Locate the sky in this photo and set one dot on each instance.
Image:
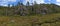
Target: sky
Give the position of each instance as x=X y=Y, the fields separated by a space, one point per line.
x=6 y=2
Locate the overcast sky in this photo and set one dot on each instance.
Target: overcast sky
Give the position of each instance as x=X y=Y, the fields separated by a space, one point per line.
x=6 y=2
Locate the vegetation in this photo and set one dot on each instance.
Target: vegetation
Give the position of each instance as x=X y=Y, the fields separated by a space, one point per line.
x=21 y=9
x=45 y=20
x=30 y=15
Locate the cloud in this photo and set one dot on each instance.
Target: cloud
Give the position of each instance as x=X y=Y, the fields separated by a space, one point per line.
x=39 y=1
x=3 y=1
x=3 y=4
x=27 y=0
x=57 y=0
x=6 y=2
x=11 y=0
x=57 y=4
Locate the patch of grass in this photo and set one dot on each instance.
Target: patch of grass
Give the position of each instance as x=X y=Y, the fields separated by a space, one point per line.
x=28 y=20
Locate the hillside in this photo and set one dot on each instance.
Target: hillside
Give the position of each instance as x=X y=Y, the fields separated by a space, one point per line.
x=27 y=10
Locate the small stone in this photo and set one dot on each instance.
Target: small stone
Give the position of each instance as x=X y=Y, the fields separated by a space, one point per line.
x=43 y=13
x=13 y=21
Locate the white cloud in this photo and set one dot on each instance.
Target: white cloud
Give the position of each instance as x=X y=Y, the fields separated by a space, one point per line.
x=57 y=0
x=27 y=0
x=8 y=1
x=11 y=0
x=58 y=4
x=3 y=4
x=39 y=1
x=3 y=1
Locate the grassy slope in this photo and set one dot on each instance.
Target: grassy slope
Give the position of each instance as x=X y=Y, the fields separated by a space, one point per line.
x=28 y=20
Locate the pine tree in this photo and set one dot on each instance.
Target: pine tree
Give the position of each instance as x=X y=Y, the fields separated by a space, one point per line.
x=28 y=3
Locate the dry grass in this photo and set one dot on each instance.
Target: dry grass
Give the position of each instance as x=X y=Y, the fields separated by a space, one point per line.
x=28 y=20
